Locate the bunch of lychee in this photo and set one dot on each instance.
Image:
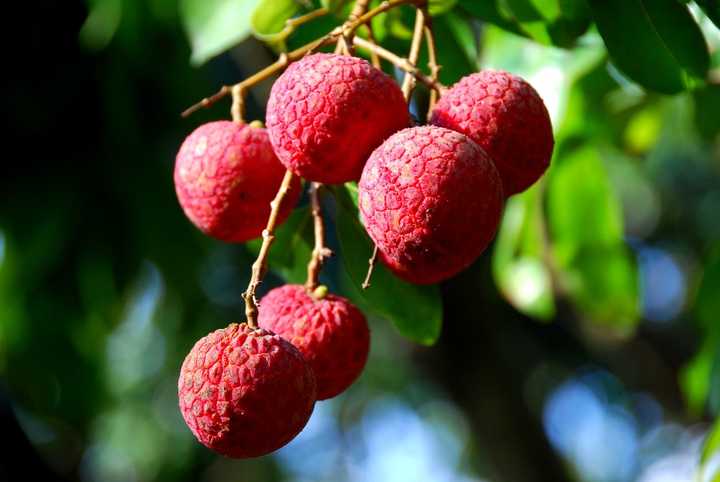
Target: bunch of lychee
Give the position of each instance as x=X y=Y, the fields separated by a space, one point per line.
x=430 y=198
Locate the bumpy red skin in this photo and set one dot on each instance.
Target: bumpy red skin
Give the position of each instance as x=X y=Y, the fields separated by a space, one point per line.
x=327 y=112
x=331 y=333
x=244 y=392
x=430 y=199
x=507 y=117
x=226 y=174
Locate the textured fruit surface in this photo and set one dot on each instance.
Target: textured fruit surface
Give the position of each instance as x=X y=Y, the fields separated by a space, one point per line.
x=245 y=392
x=326 y=113
x=431 y=199
x=331 y=333
x=226 y=174
x=507 y=117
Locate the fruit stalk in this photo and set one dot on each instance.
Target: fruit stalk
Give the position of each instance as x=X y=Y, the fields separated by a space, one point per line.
x=347 y=30
x=409 y=80
x=259 y=267
x=401 y=63
x=320 y=251
x=432 y=63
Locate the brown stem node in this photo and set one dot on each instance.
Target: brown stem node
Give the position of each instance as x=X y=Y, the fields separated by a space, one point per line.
x=371 y=267
x=320 y=251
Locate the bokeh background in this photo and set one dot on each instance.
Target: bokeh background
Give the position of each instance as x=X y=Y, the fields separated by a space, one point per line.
x=583 y=346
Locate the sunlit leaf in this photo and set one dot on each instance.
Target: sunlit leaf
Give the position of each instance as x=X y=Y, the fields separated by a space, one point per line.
x=333 y=5
x=101 y=23
x=215 y=26
x=711 y=9
x=269 y=20
x=438 y=7
x=597 y=270
x=558 y=22
x=654 y=42
x=518 y=267
x=583 y=209
x=711 y=447
x=416 y=311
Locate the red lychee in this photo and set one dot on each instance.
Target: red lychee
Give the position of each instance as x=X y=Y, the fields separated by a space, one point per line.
x=327 y=112
x=330 y=332
x=507 y=117
x=226 y=174
x=430 y=199
x=245 y=392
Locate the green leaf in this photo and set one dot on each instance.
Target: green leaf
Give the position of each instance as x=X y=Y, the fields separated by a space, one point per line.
x=292 y=247
x=520 y=10
x=700 y=379
x=654 y=42
x=415 y=311
x=438 y=7
x=269 y=20
x=707 y=111
x=597 y=270
x=711 y=446
x=333 y=5
x=603 y=284
x=557 y=22
x=711 y=9
x=215 y=26
x=517 y=264
x=582 y=207
x=489 y=12
x=696 y=376
x=707 y=303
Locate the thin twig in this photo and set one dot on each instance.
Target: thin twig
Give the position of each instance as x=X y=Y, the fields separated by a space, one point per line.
x=432 y=63
x=348 y=30
x=399 y=62
x=409 y=80
x=259 y=267
x=320 y=251
x=293 y=23
x=374 y=58
x=342 y=46
x=238 y=103
x=371 y=267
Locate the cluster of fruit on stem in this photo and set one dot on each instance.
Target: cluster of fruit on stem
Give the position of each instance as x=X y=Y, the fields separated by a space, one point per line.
x=430 y=198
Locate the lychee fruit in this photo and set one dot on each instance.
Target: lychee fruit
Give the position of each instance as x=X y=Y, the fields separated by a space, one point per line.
x=507 y=117
x=430 y=198
x=330 y=332
x=326 y=113
x=226 y=174
x=245 y=392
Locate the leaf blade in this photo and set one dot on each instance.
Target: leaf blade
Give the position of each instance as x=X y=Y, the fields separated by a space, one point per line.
x=655 y=42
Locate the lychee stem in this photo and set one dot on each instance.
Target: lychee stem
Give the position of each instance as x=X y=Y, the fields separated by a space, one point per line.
x=371 y=267
x=409 y=80
x=400 y=63
x=259 y=267
x=347 y=30
x=320 y=251
x=374 y=58
x=432 y=64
